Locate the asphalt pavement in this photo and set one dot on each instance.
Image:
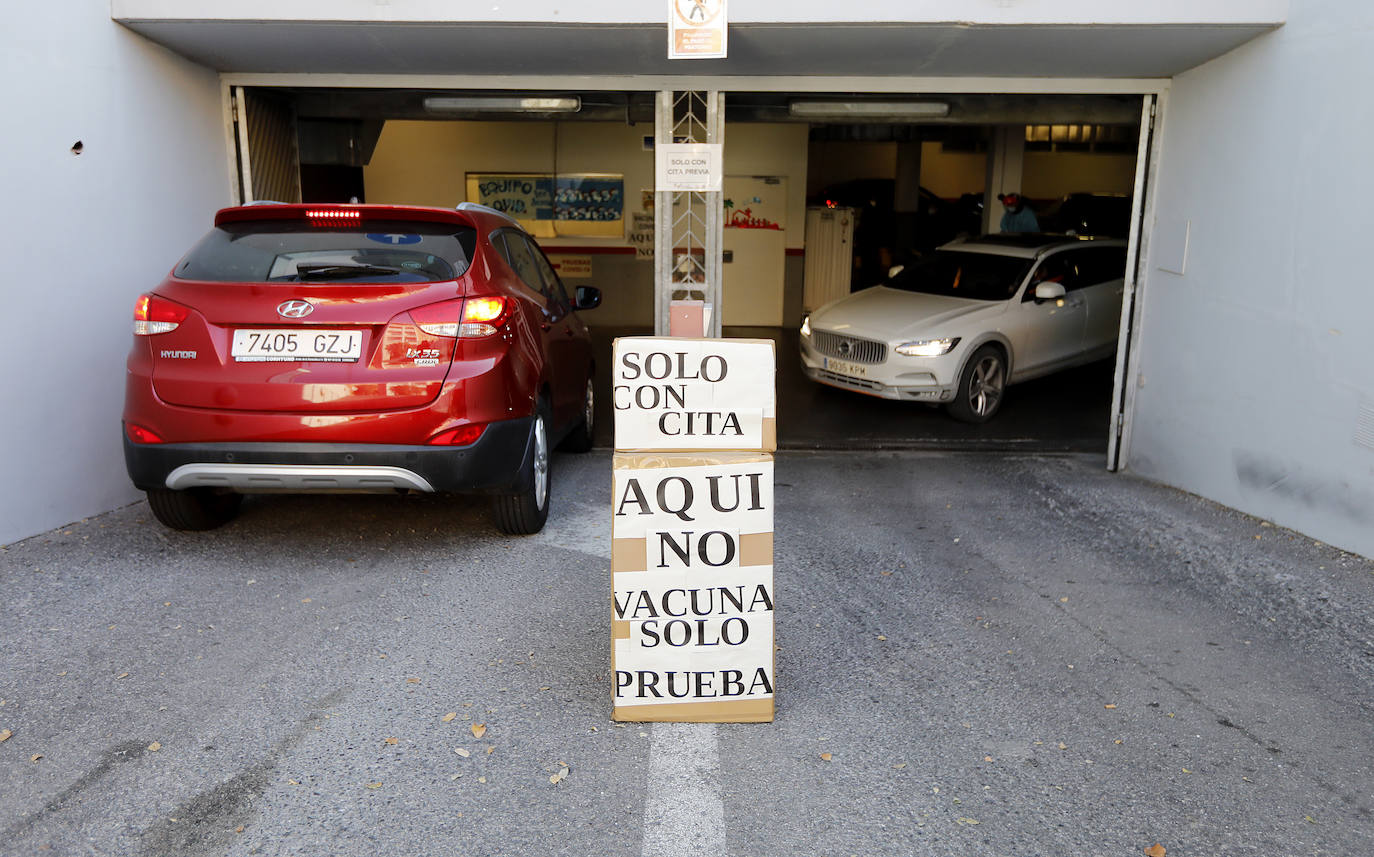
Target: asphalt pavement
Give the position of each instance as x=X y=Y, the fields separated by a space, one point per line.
x=1005 y=654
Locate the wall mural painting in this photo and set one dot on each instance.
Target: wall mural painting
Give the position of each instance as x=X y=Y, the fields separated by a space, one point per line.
x=549 y=205
x=755 y=202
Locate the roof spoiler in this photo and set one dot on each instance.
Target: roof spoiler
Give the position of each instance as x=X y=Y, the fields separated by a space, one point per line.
x=488 y=210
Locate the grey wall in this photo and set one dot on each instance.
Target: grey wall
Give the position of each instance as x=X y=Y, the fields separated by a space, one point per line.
x=1255 y=383
x=85 y=235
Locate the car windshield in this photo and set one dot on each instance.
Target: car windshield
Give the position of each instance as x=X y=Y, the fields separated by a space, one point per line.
x=977 y=276
x=289 y=251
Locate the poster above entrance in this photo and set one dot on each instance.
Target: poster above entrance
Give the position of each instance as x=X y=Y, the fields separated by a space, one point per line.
x=696 y=29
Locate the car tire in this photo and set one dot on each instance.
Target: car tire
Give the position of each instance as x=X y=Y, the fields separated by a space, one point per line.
x=982 y=385
x=524 y=513
x=580 y=438
x=194 y=508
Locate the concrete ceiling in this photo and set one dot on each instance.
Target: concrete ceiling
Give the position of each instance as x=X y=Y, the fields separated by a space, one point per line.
x=816 y=50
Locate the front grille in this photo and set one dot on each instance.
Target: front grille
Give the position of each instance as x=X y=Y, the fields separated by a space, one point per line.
x=848 y=347
x=847 y=381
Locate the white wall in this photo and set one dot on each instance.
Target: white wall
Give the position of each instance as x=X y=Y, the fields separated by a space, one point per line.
x=1255 y=384
x=85 y=234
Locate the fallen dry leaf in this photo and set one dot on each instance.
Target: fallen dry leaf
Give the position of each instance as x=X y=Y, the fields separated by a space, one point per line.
x=238 y=829
x=481 y=779
x=491 y=750
x=1155 y=850
x=967 y=821
x=1064 y=600
x=826 y=757
x=155 y=746
x=1110 y=705
x=462 y=752
x=292 y=783
x=448 y=718
x=1063 y=746
x=899 y=765
x=412 y=681
x=122 y=675
x=987 y=758
x=35 y=757
x=5 y=735
x=372 y=785
x=479 y=729
x=558 y=777
x=305 y=600
x=392 y=741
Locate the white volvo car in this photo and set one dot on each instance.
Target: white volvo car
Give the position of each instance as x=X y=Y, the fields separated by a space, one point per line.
x=958 y=326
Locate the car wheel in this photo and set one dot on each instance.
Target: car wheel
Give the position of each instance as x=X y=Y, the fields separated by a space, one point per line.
x=193 y=508
x=981 y=386
x=524 y=513
x=580 y=439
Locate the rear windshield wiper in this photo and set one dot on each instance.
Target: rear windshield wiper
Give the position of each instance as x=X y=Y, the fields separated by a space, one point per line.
x=323 y=272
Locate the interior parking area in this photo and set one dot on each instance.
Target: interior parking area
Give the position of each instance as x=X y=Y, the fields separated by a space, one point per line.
x=825 y=195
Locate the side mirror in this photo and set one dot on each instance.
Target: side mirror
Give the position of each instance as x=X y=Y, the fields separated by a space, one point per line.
x=1048 y=292
x=587 y=297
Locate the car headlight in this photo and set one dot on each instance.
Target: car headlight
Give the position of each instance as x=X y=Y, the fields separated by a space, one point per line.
x=927 y=347
x=806 y=325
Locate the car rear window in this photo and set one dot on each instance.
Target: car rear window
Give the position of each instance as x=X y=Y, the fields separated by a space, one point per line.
x=289 y=251
x=979 y=276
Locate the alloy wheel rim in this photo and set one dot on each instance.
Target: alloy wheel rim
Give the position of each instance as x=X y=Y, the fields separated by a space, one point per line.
x=541 y=464
x=985 y=387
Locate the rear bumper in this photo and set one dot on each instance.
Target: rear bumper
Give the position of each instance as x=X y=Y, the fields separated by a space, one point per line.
x=491 y=465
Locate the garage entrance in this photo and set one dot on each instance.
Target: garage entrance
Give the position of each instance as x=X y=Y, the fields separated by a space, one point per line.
x=909 y=181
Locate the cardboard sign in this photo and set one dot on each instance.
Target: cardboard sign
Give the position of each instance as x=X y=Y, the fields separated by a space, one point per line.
x=692 y=578
x=694 y=394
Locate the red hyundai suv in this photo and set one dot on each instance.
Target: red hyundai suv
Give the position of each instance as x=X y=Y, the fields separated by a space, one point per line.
x=356 y=348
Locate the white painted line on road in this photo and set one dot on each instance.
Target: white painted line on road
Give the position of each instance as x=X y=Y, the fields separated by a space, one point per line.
x=684 y=813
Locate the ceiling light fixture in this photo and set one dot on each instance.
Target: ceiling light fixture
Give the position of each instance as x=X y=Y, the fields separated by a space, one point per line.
x=882 y=110
x=502 y=104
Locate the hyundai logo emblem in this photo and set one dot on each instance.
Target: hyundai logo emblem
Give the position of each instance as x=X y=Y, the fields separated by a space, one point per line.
x=295 y=309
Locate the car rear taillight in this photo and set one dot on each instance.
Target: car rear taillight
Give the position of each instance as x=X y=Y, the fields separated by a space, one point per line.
x=482 y=316
x=153 y=314
x=461 y=436
x=139 y=434
x=441 y=319
x=465 y=317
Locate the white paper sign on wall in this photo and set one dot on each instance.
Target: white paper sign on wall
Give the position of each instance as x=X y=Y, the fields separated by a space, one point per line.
x=688 y=166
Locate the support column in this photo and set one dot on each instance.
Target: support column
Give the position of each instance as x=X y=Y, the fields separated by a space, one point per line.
x=688 y=225
x=906 y=202
x=1006 y=155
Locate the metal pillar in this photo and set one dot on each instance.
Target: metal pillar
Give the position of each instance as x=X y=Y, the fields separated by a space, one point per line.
x=688 y=224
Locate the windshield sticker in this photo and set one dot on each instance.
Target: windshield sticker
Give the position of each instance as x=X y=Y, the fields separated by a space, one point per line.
x=393 y=238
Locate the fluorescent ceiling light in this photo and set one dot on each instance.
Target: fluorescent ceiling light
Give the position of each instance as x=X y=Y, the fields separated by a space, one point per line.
x=869 y=109
x=502 y=104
